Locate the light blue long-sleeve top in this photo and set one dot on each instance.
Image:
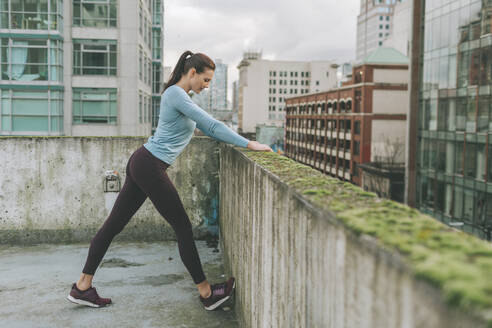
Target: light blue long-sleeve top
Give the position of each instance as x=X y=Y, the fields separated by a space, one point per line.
x=178 y=117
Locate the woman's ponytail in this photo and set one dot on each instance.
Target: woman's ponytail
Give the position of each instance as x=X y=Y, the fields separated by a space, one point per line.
x=187 y=61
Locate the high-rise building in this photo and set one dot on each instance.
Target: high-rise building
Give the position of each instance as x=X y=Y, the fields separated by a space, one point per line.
x=218 y=87
x=449 y=167
x=361 y=122
x=264 y=85
x=374 y=25
x=79 y=67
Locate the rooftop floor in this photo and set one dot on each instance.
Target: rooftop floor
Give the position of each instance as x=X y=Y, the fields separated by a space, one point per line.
x=147 y=282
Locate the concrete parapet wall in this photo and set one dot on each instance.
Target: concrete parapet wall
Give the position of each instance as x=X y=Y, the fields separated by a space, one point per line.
x=52 y=188
x=309 y=252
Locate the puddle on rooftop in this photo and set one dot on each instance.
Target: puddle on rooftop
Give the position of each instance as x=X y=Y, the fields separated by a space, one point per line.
x=163 y=279
x=118 y=263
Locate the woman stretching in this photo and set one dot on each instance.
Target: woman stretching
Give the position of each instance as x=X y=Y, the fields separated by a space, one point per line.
x=146 y=177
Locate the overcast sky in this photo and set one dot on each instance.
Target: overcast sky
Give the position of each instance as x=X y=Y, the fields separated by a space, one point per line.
x=282 y=29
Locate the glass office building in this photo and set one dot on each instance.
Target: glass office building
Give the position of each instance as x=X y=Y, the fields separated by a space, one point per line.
x=454 y=160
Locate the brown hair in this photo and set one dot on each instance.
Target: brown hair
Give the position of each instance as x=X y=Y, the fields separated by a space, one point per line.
x=197 y=61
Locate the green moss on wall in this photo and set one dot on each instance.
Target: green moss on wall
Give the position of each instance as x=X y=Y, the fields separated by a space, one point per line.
x=455 y=262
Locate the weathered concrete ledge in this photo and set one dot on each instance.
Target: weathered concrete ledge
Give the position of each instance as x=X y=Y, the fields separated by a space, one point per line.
x=52 y=188
x=311 y=251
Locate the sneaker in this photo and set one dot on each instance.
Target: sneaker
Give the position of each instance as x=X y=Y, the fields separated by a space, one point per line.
x=220 y=293
x=87 y=297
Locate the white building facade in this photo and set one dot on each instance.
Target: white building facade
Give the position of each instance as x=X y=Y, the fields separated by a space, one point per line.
x=399 y=38
x=79 y=67
x=374 y=25
x=264 y=85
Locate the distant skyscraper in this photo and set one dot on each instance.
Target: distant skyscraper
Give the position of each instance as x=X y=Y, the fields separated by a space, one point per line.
x=374 y=25
x=91 y=69
x=218 y=87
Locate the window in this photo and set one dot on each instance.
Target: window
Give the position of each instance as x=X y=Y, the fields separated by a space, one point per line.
x=356 y=148
x=459 y=158
x=156 y=44
x=387 y=18
x=31 y=60
x=31 y=111
x=156 y=103
x=489 y=170
x=140 y=63
x=31 y=15
x=380 y=18
x=157 y=11
x=140 y=107
x=381 y=27
x=357 y=127
x=380 y=35
x=471 y=115
x=92 y=105
x=94 y=57
x=471 y=160
x=89 y=13
x=317 y=82
x=380 y=43
x=387 y=27
x=140 y=19
x=157 y=80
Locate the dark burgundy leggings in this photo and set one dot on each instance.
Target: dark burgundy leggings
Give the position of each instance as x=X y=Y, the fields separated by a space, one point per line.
x=146 y=177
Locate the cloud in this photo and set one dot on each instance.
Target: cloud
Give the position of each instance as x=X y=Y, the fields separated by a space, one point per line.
x=283 y=30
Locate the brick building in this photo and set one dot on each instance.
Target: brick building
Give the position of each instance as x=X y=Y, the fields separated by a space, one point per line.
x=335 y=130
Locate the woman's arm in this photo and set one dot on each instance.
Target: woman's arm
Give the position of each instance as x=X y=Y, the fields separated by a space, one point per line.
x=210 y=126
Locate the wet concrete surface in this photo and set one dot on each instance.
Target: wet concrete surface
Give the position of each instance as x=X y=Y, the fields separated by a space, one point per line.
x=147 y=282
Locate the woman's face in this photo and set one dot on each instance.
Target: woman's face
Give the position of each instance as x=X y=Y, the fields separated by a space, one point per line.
x=201 y=81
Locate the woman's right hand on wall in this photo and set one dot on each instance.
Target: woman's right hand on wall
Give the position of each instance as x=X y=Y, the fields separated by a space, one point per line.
x=255 y=145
